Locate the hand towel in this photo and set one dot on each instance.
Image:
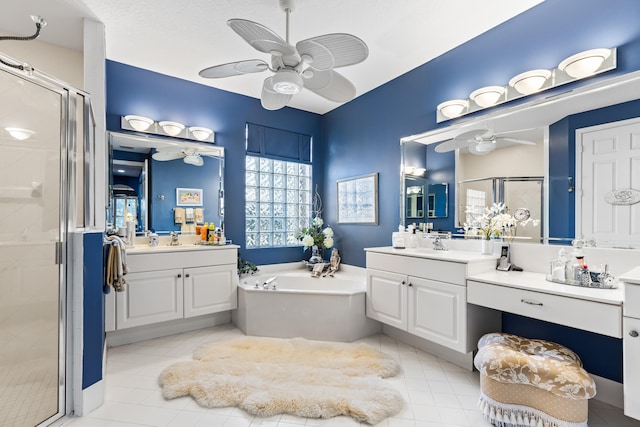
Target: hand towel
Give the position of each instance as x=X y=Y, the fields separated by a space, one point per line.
x=198 y=215
x=188 y=212
x=178 y=215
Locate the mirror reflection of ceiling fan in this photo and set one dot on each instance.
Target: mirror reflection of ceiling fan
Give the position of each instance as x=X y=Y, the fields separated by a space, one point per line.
x=191 y=157
x=309 y=64
x=480 y=141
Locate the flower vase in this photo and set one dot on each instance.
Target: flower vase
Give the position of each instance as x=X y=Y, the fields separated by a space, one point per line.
x=316 y=255
x=486 y=246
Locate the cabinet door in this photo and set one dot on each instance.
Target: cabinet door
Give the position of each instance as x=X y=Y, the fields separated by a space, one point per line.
x=387 y=297
x=631 y=356
x=150 y=297
x=210 y=289
x=437 y=312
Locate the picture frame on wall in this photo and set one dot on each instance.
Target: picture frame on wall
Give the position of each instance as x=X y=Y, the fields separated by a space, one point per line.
x=358 y=200
x=189 y=196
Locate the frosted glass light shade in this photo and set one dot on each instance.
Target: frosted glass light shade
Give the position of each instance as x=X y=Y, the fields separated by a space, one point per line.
x=200 y=133
x=19 y=133
x=487 y=96
x=584 y=64
x=139 y=123
x=287 y=82
x=171 y=128
x=530 y=82
x=453 y=108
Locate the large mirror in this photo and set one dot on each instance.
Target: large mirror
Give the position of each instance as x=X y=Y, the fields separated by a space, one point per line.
x=516 y=172
x=151 y=179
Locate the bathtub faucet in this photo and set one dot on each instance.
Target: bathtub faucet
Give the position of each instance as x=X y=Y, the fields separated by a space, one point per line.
x=267 y=282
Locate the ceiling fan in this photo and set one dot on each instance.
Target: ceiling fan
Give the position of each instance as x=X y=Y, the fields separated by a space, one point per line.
x=309 y=64
x=191 y=157
x=480 y=141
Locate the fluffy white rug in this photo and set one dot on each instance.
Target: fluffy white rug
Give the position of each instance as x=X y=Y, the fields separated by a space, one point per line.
x=268 y=376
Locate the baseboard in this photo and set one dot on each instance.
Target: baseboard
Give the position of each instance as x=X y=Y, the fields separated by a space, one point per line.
x=92 y=398
x=147 y=332
x=609 y=391
x=461 y=359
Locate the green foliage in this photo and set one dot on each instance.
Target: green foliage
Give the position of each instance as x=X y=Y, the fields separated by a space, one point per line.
x=246 y=267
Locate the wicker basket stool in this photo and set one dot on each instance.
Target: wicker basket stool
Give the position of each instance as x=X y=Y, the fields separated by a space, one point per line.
x=531 y=383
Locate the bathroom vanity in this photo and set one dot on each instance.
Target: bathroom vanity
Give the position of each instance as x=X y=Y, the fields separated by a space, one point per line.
x=171 y=288
x=423 y=292
x=631 y=343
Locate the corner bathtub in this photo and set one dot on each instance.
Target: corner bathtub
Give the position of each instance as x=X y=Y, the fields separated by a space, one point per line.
x=325 y=308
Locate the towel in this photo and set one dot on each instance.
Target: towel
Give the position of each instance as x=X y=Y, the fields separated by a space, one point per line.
x=116 y=263
x=198 y=215
x=178 y=215
x=188 y=213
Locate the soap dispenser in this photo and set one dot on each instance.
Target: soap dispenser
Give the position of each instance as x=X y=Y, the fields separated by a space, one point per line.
x=413 y=240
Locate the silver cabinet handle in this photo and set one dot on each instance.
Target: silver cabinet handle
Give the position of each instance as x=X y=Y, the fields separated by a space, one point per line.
x=531 y=302
x=634 y=334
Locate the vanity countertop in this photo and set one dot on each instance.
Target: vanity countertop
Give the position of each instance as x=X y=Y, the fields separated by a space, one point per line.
x=632 y=277
x=536 y=282
x=450 y=255
x=164 y=248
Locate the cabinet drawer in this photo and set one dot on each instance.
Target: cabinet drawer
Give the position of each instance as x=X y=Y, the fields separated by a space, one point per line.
x=180 y=259
x=442 y=271
x=591 y=316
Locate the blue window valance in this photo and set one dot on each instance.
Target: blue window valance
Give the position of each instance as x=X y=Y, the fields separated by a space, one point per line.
x=278 y=144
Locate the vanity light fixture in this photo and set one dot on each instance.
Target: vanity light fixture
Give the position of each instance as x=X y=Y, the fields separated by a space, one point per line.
x=584 y=64
x=167 y=128
x=139 y=123
x=579 y=66
x=414 y=171
x=19 y=133
x=171 y=128
x=453 y=108
x=487 y=96
x=200 y=133
x=530 y=81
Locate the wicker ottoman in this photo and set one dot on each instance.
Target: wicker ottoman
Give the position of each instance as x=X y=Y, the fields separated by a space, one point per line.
x=531 y=383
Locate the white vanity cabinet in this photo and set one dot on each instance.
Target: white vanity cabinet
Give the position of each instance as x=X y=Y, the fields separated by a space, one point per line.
x=426 y=298
x=631 y=343
x=165 y=285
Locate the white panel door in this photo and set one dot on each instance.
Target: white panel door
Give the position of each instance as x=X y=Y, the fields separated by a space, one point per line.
x=387 y=297
x=610 y=162
x=631 y=355
x=437 y=312
x=210 y=289
x=150 y=297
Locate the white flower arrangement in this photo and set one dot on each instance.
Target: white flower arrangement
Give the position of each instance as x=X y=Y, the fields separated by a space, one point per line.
x=316 y=235
x=495 y=221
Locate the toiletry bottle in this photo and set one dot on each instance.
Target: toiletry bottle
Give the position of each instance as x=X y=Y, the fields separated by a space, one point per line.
x=211 y=235
x=203 y=231
x=585 y=275
x=413 y=240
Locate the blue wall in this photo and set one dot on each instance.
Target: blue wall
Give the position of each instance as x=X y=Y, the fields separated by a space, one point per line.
x=93 y=313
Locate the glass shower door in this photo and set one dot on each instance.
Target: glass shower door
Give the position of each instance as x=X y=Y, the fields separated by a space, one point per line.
x=31 y=234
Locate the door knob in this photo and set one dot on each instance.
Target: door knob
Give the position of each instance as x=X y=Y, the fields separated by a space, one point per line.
x=633 y=334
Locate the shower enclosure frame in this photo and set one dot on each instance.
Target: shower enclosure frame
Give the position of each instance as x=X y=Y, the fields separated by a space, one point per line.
x=75 y=217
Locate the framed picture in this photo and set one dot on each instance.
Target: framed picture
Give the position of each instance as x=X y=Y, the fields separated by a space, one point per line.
x=358 y=200
x=189 y=196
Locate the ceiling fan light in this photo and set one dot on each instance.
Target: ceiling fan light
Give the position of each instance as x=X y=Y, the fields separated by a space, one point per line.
x=487 y=96
x=584 y=64
x=193 y=159
x=171 y=128
x=453 y=108
x=484 y=147
x=287 y=82
x=139 y=123
x=200 y=133
x=19 y=133
x=530 y=81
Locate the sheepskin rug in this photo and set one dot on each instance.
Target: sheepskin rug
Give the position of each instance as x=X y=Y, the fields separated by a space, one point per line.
x=268 y=376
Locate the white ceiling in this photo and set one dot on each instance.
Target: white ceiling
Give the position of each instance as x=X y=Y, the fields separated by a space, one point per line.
x=179 y=38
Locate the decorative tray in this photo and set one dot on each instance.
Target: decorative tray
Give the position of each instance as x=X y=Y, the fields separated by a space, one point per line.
x=595 y=284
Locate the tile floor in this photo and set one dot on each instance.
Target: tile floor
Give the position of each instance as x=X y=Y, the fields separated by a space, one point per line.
x=437 y=393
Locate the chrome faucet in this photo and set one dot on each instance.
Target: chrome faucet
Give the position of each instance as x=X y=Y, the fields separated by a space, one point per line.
x=174 y=239
x=438 y=245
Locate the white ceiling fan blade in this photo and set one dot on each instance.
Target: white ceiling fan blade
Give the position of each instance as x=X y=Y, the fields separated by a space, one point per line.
x=234 y=69
x=515 y=140
x=330 y=85
x=451 y=145
x=260 y=37
x=475 y=135
x=333 y=50
x=272 y=100
x=165 y=155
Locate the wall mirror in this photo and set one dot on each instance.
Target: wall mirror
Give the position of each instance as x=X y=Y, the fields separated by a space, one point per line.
x=437 y=195
x=517 y=174
x=145 y=173
x=415 y=188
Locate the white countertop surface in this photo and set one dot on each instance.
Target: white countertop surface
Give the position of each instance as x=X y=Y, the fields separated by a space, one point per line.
x=631 y=277
x=450 y=255
x=164 y=248
x=536 y=282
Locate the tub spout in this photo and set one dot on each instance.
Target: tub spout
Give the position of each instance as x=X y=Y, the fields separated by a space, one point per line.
x=267 y=282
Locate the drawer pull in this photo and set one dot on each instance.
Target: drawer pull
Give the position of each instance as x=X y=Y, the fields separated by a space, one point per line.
x=403 y=282
x=186 y=275
x=634 y=334
x=531 y=302
x=179 y=276
x=410 y=284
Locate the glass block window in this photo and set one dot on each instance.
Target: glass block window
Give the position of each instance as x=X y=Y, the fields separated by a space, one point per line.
x=277 y=201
